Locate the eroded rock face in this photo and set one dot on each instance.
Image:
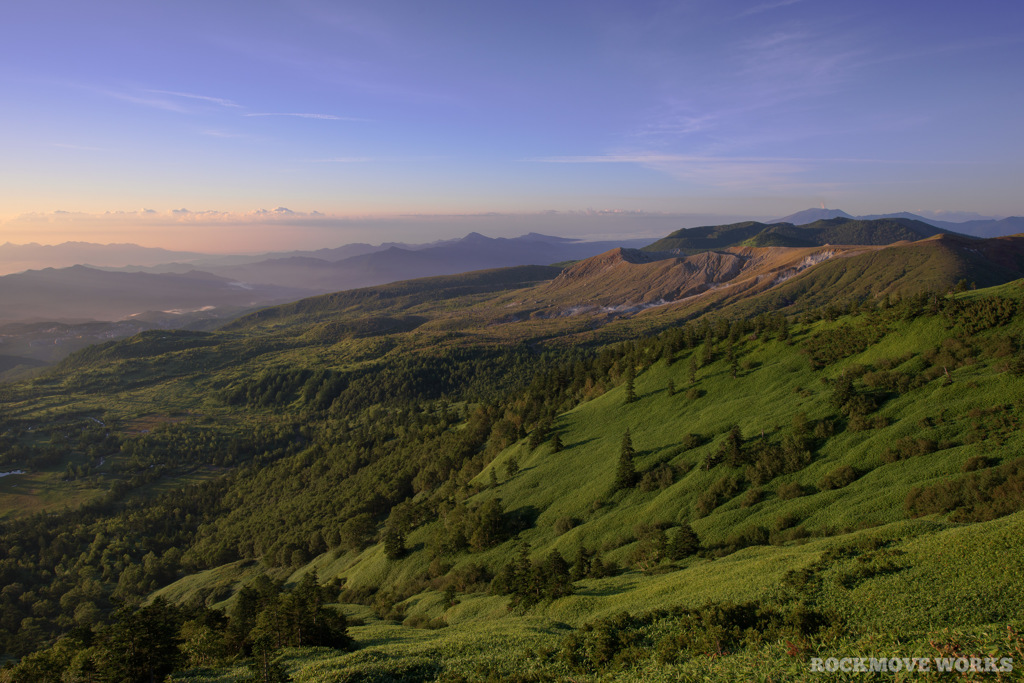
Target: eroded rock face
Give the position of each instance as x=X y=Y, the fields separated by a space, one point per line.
x=627 y=280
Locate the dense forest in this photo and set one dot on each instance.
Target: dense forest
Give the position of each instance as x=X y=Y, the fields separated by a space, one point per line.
x=407 y=477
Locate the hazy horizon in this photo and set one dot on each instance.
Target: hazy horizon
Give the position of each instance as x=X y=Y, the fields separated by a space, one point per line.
x=281 y=229
x=357 y=117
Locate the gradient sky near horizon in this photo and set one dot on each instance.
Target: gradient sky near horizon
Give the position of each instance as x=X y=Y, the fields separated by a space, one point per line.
x=185 y=124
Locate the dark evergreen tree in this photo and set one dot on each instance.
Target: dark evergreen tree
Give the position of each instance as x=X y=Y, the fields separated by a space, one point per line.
x=783 y=330
x=670 y=388
x=581 y=567
x=732 y=448
x=693 y=369
x=141 y=646
x=684 y=543
x=358 y=532
x=511 y=466
x=394 y=542
x=557 y=581
x=556 y=443
x=265 y=665
x=487 y=525
x=539 y=433
x=625 y=475
x=630 y=381
x=708 y=353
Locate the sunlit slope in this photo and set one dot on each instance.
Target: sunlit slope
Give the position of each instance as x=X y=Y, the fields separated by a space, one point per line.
x=778 y=388
x=831 y=231
x=856 y=471
x=843 y=514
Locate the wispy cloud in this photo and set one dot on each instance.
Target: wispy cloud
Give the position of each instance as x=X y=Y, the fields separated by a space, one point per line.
x=214 y=133
x=766 y=6
x=204 y=98
x=153 y=102
x=340 y=160
x=84 y=148
x=325 y=117
x=642 y=157
x=732 y=172
x=171 y=100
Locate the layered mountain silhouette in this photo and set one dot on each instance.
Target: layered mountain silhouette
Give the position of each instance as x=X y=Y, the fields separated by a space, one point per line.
x=705 y=267
x=976 y=227
x=820 y=232
x=472 y=252
x=15 y=258
x=750 y=279
x=82 y=293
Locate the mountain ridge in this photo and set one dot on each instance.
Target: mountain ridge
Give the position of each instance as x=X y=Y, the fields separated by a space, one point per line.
x=975 y=227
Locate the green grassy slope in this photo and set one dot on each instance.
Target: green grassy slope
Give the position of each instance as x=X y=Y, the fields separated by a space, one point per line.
x=893 y=580
x=833 y=231
x=849 y=454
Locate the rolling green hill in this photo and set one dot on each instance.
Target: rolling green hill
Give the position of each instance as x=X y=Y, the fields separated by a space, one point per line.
x=846 y=503
x=493 y=490
x=832 y=231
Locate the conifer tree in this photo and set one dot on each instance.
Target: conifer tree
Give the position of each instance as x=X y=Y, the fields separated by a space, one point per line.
x=625 y=476
x=684 y=543
x=708 y=354
x=142 y=645
x=556 y=443
x=693 y=369
x=630 y=388
x=670 y=389
x=265 y=665
x=783 y=334
x=557 y=581
x=581 y=567
x=394 y=541
x=511 y=467
x=539 y=433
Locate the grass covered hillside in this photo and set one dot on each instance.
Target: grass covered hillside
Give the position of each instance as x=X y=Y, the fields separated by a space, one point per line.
x=831 y=231
x=723 y=500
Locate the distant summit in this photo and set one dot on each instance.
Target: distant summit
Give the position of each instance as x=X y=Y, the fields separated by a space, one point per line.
x=811 y=215
x=979 y=227
x=837 y=230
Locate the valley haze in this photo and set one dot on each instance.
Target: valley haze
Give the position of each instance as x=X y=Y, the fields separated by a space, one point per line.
x=462 y=342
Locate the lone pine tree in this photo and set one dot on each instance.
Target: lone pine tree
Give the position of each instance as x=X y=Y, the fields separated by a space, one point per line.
x=625 y=476
x=630 y=388
x=556 y=443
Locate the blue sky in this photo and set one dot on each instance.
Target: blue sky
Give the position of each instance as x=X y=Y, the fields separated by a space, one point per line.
x=119 y=113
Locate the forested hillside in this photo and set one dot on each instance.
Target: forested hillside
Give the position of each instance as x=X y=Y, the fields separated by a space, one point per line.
x=406 y=483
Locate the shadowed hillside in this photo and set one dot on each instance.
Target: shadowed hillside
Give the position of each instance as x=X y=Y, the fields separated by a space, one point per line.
x=460 y=478
x=840 y=230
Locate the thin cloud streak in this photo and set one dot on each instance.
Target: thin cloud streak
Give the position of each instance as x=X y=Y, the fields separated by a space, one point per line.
x=83 y=148
x=339 y=160
x=324 y=117
x=223 y=134
x=675 y=158
x=214 y=100
x=152 y=102
x=764 y=7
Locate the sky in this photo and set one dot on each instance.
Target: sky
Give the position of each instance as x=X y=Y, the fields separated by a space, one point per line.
x=217 y=125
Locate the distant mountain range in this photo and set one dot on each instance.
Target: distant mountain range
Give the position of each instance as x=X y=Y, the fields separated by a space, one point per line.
x=179 y=294
x=80 y=293
x=981 y=227
x=745 y=280
x=838 y=230
x=472 y=252
x=15 y=258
